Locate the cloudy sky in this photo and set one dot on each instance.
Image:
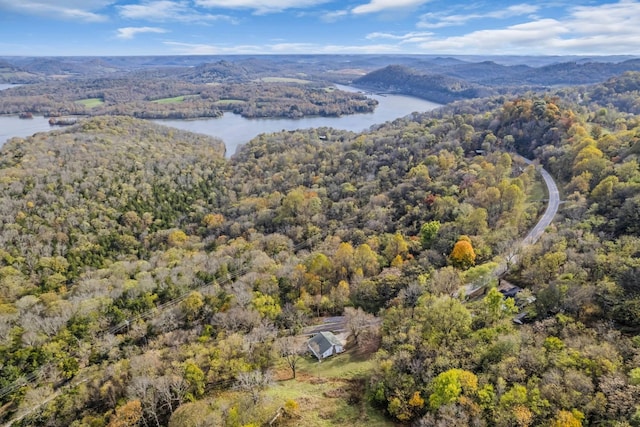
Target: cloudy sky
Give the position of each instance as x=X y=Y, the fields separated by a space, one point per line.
x=167 y=27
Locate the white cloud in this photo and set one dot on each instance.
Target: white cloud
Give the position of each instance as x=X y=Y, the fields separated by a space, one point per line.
x=166 y=10
x=504 y=40
x=618 y=18
x=59 y=9
x=334 y=15
x=261 y=6
x=356 y=49
x=212 y=49
x=586 y=30
x=131 y=32
x=380 y=5
x=278 y=48
x=402 y=37
x=440 y=20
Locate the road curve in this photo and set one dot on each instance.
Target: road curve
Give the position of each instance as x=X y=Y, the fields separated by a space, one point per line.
x=550 y=212
x=544 y=221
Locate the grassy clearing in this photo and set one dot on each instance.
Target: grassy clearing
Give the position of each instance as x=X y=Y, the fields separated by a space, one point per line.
x=327 y=403
x=229 y=101
x=284 y=80
x=173 y=100
x=91 y=102
x=329 y=393
x=347 y=365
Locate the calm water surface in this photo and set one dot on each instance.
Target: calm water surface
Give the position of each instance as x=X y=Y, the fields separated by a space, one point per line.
x=235 y=130
x=11 y=126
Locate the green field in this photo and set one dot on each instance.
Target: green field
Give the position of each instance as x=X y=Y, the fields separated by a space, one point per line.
x=284 y=80
x=329 y=393
x=91 y=102
x=347 y=365
x=229 y=101
x=173 y=100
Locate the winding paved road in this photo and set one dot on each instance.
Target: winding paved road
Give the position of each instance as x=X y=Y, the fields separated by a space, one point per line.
x=549 y=213
x=475 y=290
x=544 y=221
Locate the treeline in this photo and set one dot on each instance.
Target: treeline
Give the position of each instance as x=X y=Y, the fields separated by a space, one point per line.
x=173 y=99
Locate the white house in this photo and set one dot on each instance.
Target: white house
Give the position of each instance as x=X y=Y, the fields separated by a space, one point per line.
x=325 y=344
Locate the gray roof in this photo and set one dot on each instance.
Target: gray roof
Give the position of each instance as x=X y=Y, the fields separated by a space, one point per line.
x=323 y=341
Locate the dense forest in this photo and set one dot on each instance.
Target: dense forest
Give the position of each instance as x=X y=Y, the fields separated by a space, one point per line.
x=147 y=280
x=175 y=99
x=435 y=87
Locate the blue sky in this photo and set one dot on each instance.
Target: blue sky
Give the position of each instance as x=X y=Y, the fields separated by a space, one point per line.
x=169 y=27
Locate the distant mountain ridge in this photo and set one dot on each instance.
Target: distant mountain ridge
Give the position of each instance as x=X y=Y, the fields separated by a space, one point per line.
x=434 y=87
x=10 y=73
x=443 y=80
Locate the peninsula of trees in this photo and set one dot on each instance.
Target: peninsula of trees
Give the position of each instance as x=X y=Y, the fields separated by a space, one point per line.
x=174 y=99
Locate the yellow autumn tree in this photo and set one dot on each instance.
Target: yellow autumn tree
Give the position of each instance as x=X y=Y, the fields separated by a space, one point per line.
x=213 y=220
x=416 y=401
x=397 y=245
x=568 y=419
x=463 y=256
x=397 y=261
x=343 y=260
x=522 y=416
x=126 y=415
x=177 y=238
x=448 y=386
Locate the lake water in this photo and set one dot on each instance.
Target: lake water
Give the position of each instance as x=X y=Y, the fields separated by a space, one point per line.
x=11 y=126
x=235 y=130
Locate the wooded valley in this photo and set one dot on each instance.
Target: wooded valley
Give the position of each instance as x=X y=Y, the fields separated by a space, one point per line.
x=147 y=280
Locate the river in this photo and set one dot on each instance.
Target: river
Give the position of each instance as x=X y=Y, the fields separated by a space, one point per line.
x=236 y=130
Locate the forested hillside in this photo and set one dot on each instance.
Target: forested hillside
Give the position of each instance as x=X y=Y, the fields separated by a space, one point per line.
x=142 y=96
x=434 y=87
x=146 y=280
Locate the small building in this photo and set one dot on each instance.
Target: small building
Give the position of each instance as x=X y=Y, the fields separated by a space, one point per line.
x=325 y=344
x=508 y=289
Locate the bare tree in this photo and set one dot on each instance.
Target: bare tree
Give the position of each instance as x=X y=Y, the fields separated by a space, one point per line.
x=445 y=281
x=253 y=382
x=237 y=319
x=291 y=350
x=159 y=396
x=292 y=318
x=358 y=322
x=411 y=295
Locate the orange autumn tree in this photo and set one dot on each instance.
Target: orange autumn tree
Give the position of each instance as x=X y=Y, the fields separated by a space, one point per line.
x=463 y=256
x=126 y=415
